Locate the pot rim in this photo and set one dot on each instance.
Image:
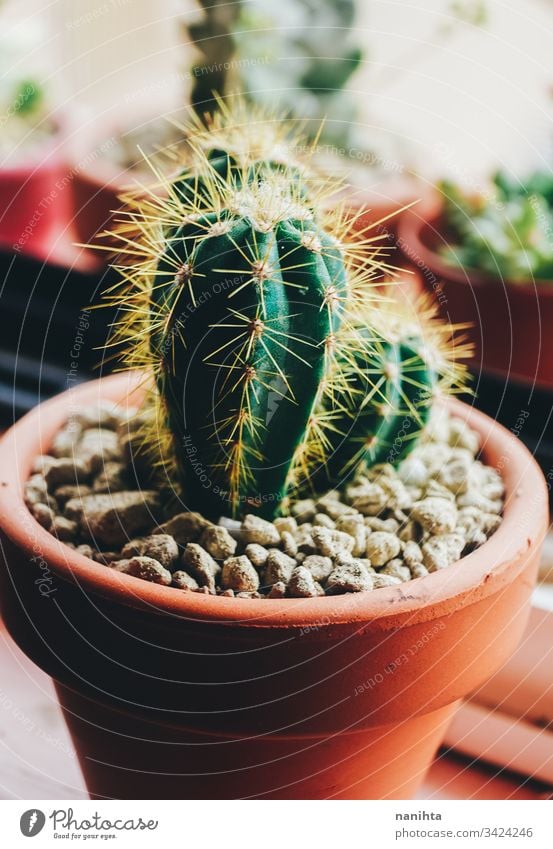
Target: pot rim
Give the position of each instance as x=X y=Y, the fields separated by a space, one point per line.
x=482 y=573
x=410 y=230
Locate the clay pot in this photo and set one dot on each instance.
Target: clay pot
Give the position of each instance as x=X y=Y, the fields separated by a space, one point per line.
x=377 y=205
x=386 y=201
x=35 y=201
x=96 y=197
x=170 y=694
x=100 y=180
x=510 y=319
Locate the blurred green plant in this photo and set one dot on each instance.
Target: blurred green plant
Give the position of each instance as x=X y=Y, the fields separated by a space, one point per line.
x=507 y=232
x=28 y=98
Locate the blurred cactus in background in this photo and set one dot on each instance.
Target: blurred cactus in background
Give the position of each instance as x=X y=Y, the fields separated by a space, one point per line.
x=294 y=55
x=213 y=35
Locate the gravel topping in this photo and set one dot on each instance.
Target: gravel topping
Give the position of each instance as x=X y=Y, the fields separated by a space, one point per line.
x=383 y=528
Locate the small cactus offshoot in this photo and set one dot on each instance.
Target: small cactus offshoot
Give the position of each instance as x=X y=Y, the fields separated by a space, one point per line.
x=278 y=367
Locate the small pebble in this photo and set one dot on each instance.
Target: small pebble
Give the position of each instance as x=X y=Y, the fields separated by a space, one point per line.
x=355 y=527
x=144 y=567
x=390 y=526
x=36 y=491
x=278 y=590
x=239 y=575
x=201 y=565
x=303 y=585
x=65 y=529
x=286 y=524
x=289 y=543
x=329 y=543
x=44 y=515
x=160 y=547
x=184 y=527
x=396 y=569
x=304 y=539
x=257 y=554
x=110 y=518
x=279 y=567
x=184 y=581
x=350 y=578
x=321 y=520
x=413 y=472
x=371 y=501
x=66 y=470
x=418 y=570
x=41 y=464
x=441 y=551
x=411 y=553
x=381 y=547
x=104 y=557
x=218 y=542
x=319 y=566
x=97 y=447
x=435 y=515
x=304 y=511
x=255 y=529
x=105 y=414
x=111 y=478
x=65 y=493
x=65 y=441
x=380 y=581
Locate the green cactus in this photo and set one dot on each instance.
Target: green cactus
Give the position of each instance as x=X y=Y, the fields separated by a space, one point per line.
x=277 y=368
x=383 y=409
x=238 y=144
x=256 y=296
x=382 y=394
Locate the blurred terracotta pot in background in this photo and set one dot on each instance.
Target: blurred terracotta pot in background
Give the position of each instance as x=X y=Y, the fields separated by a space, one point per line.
x=35 y=200
x=511 y=320
x=377 y=205
x=386 y=201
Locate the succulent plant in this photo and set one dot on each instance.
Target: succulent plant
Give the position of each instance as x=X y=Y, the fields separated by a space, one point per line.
x=505 y=231
x=278 y=367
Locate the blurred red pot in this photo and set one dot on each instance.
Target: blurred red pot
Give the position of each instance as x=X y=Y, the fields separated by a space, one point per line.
x=35 y=201
x=509 y=318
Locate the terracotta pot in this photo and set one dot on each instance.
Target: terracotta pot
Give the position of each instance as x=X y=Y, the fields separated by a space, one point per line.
x=510 y=319
x=99 y=178
x=35 y=201
x=387 y=200
x=378 y=205
x=180 y=695
x=96 y=197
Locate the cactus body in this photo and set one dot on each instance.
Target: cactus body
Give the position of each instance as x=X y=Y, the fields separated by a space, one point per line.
x=244 y=323
x=383 y=409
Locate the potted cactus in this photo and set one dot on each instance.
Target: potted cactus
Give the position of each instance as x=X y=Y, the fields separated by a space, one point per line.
x=287 y=649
